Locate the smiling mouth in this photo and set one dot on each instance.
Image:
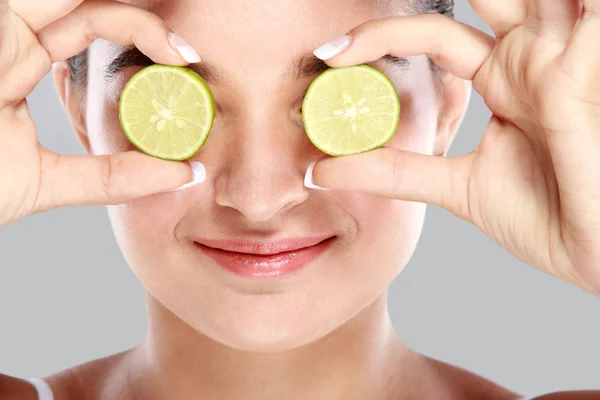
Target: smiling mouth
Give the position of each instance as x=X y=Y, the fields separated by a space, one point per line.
x=265 y=259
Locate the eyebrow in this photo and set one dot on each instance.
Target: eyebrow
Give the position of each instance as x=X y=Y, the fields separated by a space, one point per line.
x=306 y=67
x=310 y=66
x=131 y=56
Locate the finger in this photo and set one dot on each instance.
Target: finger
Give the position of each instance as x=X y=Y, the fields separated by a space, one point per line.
x=581 y=58
x=118 y=23
x=592 y=7
x=400 y=175
x=458 y=48
x=557 y=16
x=501 y=16
x=39 y=13
x=106 y=180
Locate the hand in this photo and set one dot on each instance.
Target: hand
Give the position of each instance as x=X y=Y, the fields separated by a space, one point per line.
x=533 y=183
x=33 y=35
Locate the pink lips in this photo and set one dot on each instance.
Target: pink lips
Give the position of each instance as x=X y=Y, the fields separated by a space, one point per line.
x=265 y=259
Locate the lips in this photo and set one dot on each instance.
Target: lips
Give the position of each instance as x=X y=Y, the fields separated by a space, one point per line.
x=254 y=259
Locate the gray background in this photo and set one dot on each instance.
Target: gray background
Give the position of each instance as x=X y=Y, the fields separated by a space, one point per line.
x=67 y=296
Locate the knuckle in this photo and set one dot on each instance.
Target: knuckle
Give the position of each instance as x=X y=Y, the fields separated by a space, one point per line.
x=144 y=26
x=107 y=176
x=397 y=164
x=88 y=28
x=591 y=11
x=148 y=25
x=9 y=48
x=152 y=18
x=460 y=186
x=84 y=15
x=377 y=27
x=23 y=62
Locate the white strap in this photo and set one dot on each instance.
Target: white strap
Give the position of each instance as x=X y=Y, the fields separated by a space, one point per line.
x=43 y=389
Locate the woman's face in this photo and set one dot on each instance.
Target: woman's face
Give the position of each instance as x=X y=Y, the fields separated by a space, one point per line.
x=256 y=157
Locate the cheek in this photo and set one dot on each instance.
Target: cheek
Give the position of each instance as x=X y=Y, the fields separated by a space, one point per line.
x=388 y=230
x=145 y=231
x=387 y=233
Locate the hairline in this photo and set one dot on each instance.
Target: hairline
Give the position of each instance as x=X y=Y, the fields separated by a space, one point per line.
x=78 y=65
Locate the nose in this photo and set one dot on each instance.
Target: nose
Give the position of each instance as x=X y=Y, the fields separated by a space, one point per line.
x=262 y=172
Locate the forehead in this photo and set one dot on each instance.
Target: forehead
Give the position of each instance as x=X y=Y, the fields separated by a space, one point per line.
x=276 y=26
x=283 y=10
x=257 y=39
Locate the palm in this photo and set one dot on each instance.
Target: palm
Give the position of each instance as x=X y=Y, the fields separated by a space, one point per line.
x=510 y=196
x=20 y=166
x=22 y=160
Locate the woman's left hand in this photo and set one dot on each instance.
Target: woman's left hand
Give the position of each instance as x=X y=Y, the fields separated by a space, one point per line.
x=533 y=183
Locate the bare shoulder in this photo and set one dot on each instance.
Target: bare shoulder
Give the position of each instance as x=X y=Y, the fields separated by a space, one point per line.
x=12 y=388
x=89 y=381
x=463 y=384
x=459 y=383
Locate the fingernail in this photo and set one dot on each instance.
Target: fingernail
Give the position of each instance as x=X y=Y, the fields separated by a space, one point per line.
x=333 y=48
x=199 y=175
x=308 y=178
x=186 y=51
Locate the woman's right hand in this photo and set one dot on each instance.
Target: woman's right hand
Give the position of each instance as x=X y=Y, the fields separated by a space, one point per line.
x=33 y=35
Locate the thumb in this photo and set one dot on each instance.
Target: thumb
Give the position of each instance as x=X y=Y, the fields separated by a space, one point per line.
x=401 y=175
x=110 y=179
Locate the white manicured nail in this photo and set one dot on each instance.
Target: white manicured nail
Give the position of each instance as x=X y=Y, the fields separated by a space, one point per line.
x=199 y=175
x=308 y=178
x=186 y=51
x=333 y=48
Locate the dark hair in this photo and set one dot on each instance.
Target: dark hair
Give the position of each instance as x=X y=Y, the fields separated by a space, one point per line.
x=444 y=7
x=78 y=64
x=78 y=69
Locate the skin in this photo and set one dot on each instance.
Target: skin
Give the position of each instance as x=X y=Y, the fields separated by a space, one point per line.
x=324 y=333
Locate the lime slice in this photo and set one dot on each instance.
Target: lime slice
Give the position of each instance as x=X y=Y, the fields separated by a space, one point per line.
x=351 y=110
x=167 y=112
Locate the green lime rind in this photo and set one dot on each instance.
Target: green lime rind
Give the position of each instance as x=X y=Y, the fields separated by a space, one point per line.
x=351 y=110
x=187 y=102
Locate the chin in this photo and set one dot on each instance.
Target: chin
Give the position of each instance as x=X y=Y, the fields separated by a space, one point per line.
x=258 y=333
x=263 y=342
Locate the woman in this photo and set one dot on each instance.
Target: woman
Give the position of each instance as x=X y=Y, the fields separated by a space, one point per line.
x=260 y=284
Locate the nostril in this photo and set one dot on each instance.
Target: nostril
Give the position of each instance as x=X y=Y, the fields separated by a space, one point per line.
x=259 y=196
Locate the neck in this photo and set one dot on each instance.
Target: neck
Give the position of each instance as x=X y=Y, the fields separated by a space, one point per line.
x=362 y=357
